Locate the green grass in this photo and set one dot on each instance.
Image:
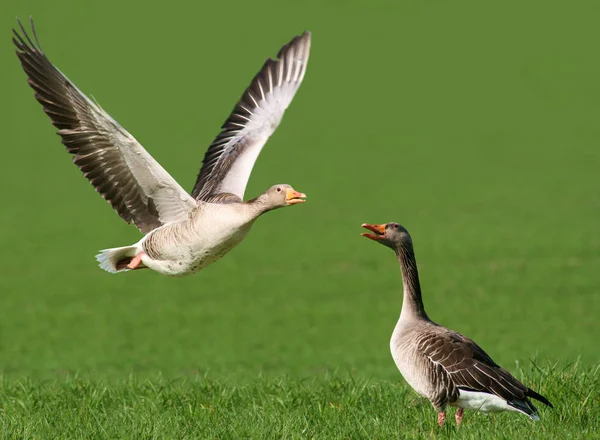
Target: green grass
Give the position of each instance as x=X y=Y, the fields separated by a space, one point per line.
x=335 y=406
x=475 y=125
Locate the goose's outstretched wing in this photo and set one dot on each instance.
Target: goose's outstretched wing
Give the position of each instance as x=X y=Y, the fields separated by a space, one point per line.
x=229 y=160
x=120 y=169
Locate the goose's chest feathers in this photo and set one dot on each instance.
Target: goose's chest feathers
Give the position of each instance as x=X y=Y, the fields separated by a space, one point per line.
x=187 y=247
x=413 y=365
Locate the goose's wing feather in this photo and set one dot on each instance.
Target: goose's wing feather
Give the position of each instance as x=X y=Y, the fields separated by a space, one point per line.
x=120 y=169
x=229 y=160
x=470 y=368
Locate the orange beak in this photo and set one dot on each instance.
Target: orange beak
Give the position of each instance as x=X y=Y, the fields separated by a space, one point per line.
x=293 y=197
x=379 y=231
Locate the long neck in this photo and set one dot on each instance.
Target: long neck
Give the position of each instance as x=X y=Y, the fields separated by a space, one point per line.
x=412 y=304
x=257 y=206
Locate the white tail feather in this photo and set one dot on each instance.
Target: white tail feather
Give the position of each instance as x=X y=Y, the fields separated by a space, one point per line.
x=108 y=258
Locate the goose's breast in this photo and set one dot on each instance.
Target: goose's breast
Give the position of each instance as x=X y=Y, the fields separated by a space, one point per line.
x=413 y=366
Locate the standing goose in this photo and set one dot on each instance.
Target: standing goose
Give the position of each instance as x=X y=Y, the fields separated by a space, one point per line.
x=183 y=232
x=440 y=364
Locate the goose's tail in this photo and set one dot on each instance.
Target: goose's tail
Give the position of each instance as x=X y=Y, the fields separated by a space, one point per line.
x=116 y=259
x=539 y=397
x=526 y=407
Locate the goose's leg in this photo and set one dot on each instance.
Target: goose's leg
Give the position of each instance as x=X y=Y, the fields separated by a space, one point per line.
x=135 y=262
x=459 y=415
x=441 y=418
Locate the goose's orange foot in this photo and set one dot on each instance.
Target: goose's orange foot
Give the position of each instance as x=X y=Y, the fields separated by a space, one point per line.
x=135 y=262
x=441 y=418
x=459 y=415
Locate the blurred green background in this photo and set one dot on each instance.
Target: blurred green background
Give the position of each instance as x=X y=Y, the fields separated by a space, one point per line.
x=473 y=124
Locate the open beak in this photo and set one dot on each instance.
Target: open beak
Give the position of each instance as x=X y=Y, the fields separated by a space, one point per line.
x=378 y=231
x=293 y=197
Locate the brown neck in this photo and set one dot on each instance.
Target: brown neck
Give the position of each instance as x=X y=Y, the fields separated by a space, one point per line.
x=412 y=304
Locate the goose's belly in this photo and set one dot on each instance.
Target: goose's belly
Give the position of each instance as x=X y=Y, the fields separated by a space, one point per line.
x=180 y=250
x=483 y=402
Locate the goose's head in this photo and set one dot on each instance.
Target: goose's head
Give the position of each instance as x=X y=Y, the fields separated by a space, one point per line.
x=279 y=196
x=393 y=235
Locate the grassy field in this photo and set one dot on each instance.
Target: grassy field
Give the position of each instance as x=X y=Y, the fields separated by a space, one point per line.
x=474 y=125
x=330 y=406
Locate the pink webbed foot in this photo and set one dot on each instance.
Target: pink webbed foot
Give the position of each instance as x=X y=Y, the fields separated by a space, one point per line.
x=135 y=262
x=441 y=418
x=458 y=416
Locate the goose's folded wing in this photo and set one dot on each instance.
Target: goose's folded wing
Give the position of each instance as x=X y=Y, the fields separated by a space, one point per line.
x=120 y=169
x=469 y=367
x=229 y=160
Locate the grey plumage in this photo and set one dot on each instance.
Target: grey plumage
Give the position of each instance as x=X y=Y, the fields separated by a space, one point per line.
x=440 y=364
x=93 y=138
x=182 y=234
x=245 y=130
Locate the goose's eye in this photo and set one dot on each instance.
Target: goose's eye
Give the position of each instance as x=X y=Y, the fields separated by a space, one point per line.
x=278 y=190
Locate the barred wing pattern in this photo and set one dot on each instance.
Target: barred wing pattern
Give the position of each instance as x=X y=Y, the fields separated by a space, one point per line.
x=229 y=160
x=464 y=365
x=120 y=169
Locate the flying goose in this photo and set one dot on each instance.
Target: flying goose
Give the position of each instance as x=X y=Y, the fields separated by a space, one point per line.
x=182 y=233
x=444 y=366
